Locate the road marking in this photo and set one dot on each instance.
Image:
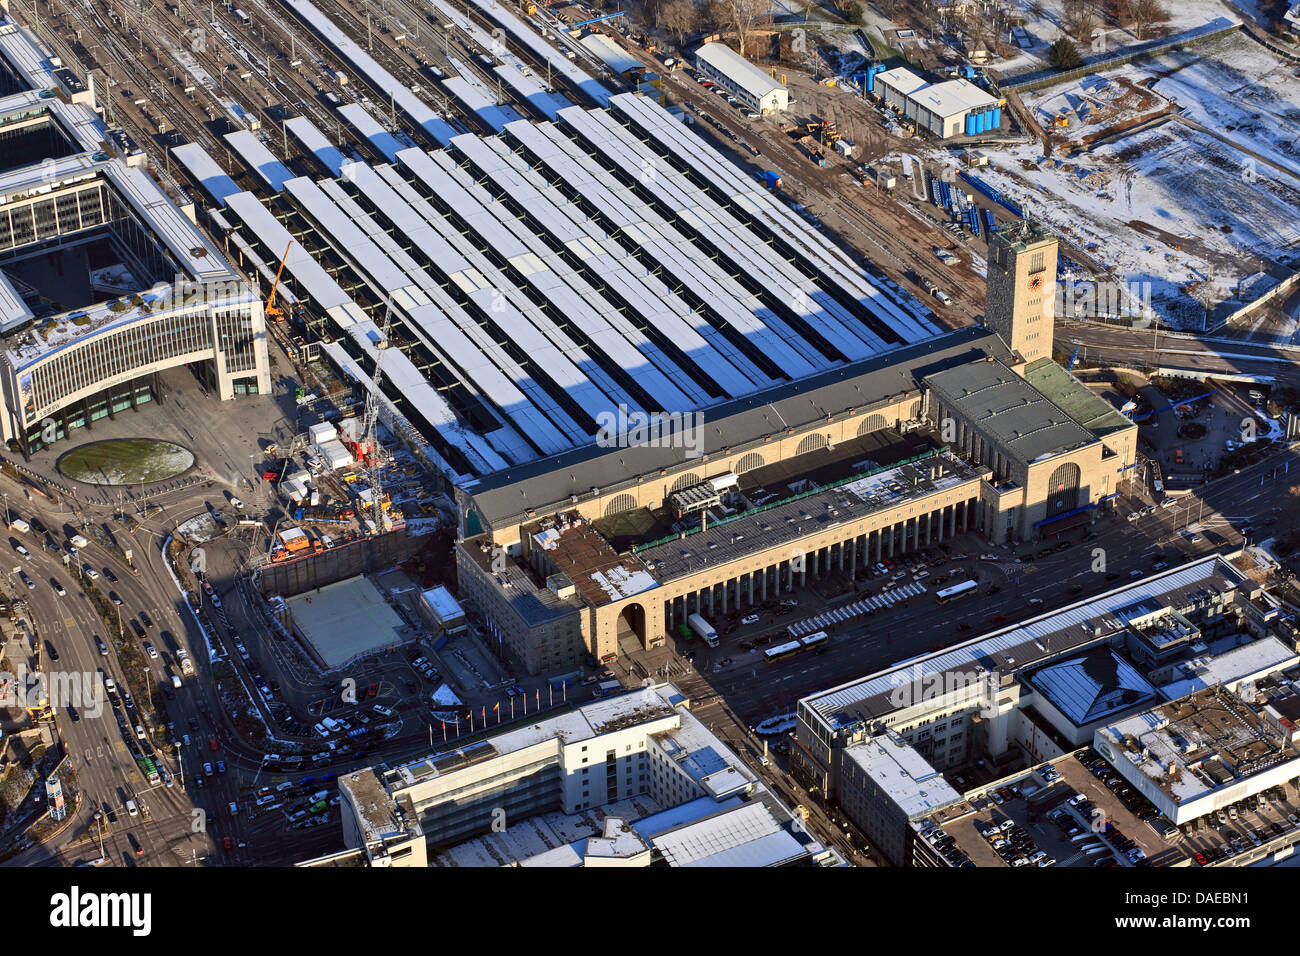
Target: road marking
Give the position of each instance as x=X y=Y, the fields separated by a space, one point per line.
x=69 y=622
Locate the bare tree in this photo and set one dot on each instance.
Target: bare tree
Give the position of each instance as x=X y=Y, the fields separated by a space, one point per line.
x=1147 y=14
x=745 y=18
x=680 y=17
x=1078 y=18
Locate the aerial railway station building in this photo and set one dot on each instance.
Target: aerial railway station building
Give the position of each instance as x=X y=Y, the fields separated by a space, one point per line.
x=802 y=415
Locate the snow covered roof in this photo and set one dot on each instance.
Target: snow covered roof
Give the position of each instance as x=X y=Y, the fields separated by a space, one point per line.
x=747 y=836
x=901 y=772
x=953 y=97
x=1249 y=661
x=445 y=607
x=739 y=70
x=1092 y=686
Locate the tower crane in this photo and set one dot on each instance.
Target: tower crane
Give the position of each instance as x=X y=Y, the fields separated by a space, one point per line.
x=272 y=311
x=368 y=421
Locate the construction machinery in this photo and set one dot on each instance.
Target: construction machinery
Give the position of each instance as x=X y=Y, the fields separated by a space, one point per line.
x=273 y=312
x=369 y=419
x=824 y=131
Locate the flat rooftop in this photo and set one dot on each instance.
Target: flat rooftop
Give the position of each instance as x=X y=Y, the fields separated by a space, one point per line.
x=600 y=574
x=1264 y=656
x=345 y=620
x=643 y=705
x=731 y=539
x=902 y=773
x=1194 y=746
x=1020 y=418
x=1046 y=636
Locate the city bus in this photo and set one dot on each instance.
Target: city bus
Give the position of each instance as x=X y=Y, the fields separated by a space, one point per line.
x=816 y=643
x=956 y=591
x=783 y=650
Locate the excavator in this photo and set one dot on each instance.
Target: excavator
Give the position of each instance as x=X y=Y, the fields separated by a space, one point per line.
x=272 y=311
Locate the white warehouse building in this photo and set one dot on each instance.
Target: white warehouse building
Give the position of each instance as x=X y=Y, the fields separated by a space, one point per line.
x=742 y=79
x=951 y=108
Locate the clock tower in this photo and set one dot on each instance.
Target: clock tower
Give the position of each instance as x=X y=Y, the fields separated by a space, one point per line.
x=1020 y=293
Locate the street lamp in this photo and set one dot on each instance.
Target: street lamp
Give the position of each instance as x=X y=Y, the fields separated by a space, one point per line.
x=6 y=497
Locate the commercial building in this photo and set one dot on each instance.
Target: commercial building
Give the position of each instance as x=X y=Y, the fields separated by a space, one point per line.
x=1200 y=753
x=885 y=747
x=73 y=192
x=949 y=108
x=594 y=771
x=742 y=79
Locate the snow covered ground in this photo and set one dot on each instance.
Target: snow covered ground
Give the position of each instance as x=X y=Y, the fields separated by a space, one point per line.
x=1171 y=205
x=1041 y=31
x=1180 y=181
x=1235 y=85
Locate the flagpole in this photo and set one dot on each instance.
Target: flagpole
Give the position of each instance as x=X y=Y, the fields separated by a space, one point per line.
x=512 y=708
x=444 y=731
x=564 y=691
x=550 y=690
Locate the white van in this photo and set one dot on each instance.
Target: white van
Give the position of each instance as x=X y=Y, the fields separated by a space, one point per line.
x=176 y=681
x=131 y=808
x=331 y=723
x=18 y=524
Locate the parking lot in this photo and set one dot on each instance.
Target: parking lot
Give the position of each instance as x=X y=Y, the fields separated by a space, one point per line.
x=1061 y=814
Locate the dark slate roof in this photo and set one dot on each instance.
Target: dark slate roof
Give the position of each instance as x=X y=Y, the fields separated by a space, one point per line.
x=545 y=483
x=1022 y=420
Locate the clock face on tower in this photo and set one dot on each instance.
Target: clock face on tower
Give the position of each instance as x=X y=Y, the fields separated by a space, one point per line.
x=1036 y=283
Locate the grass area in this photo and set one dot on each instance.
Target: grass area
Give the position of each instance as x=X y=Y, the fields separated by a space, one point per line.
x=126 y=461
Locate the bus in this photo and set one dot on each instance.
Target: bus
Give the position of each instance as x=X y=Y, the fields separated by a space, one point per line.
x=148 y=769
x=781 y=651
x=243 y=17
x=956 y=591
x=816 y=643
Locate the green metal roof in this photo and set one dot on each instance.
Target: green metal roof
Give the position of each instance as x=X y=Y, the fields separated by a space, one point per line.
x=1074 y=398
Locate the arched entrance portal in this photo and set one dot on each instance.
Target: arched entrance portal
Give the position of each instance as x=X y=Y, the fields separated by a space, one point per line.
x=631 y=623
x=1063 y=490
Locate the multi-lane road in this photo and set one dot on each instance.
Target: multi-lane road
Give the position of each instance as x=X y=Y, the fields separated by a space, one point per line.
x=753 y=689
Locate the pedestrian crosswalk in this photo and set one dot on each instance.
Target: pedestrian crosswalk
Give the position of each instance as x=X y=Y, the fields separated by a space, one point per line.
x=840 y=615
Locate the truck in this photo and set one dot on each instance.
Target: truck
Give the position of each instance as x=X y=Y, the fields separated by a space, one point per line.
x=771 y=180
x=704 y=629
x=18 y=524
x=79 y=541
x=607 y=687
x=187 y=665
